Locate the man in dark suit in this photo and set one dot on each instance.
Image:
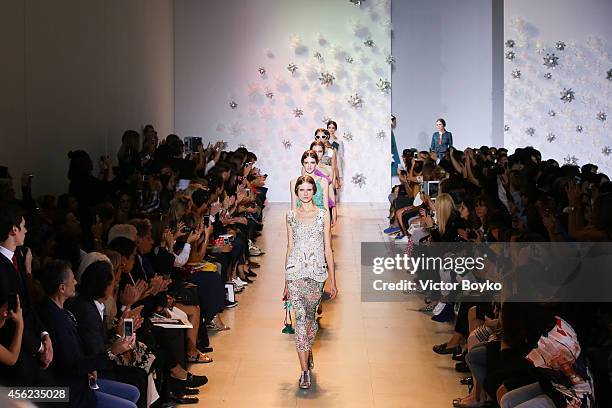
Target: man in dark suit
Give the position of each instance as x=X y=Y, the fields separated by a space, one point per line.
x=37 y=349
x=72 y=367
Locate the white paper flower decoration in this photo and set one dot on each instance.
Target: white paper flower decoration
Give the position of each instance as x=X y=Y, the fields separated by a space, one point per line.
x=359 y=180
x=384 y=85
x=327 y=78
x=568 y=95
x=355 y=101
x=601 y=116
x=292 y=68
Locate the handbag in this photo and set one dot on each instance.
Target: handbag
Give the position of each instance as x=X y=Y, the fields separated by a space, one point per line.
x=185 y=293
x=288 y=327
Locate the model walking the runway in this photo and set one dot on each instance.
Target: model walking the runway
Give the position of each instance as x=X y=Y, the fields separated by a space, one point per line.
x=309 y=161
x=309 y=262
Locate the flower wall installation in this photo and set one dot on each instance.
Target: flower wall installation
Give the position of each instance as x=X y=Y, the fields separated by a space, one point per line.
x=311 y=65
x=559 y=92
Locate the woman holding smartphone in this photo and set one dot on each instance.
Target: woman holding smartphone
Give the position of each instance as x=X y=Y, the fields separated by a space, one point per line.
x=308 y=263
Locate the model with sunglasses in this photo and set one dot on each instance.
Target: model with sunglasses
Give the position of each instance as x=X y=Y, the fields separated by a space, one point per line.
x=329 y=158
x=336 y=143
x=309 y=262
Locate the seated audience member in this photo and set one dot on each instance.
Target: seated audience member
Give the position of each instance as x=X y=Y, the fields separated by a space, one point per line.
x=36 y=348
x=95 y=287
x=72 y=367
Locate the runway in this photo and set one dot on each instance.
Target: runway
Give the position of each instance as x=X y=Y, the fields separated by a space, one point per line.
x=366 y=354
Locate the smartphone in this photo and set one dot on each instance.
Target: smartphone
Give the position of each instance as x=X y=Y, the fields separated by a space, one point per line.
x=92 y=383
x=128 y=327
x=12 y=302
x=433 y=187
x=187 y=230
x=206 y=220
x=182 y=184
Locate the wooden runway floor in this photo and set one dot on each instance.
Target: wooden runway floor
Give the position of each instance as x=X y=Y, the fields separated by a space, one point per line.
x=366 y=354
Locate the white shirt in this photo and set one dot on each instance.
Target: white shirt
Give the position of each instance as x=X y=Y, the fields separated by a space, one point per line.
x=100 y=307
x=183 y=257
x=7 y=253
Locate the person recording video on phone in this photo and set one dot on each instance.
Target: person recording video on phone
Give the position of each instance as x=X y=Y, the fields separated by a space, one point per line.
x=441 y=140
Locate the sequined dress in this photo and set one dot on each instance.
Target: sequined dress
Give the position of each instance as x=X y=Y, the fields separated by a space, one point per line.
x=307 y=256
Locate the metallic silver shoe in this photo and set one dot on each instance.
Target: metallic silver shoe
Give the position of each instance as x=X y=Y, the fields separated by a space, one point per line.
x=305 y=380
x=310 y=361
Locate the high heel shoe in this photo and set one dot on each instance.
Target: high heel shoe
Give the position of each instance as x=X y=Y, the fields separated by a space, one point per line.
x=305 y=380
x=310 y=361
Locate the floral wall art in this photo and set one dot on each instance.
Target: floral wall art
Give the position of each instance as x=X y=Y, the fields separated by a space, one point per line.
x=265 y=74
x=558 y=87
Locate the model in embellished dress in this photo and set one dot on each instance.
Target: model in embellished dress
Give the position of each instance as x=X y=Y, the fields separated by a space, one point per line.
x=336 y=143
x=309 y=166
x=325 y=171
x=309 y=262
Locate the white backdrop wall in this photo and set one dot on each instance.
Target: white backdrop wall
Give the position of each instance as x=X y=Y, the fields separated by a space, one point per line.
x=76 y=74
x=219 y=46
x=444 y=68
x=534 y=102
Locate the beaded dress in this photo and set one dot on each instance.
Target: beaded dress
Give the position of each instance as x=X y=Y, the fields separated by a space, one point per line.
x=307 y=256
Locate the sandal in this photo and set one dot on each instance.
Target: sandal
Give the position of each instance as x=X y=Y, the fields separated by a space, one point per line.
x=199 y=358
x=217 y=327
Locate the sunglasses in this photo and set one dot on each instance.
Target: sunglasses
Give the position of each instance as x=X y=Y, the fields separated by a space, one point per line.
x=321 y=137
